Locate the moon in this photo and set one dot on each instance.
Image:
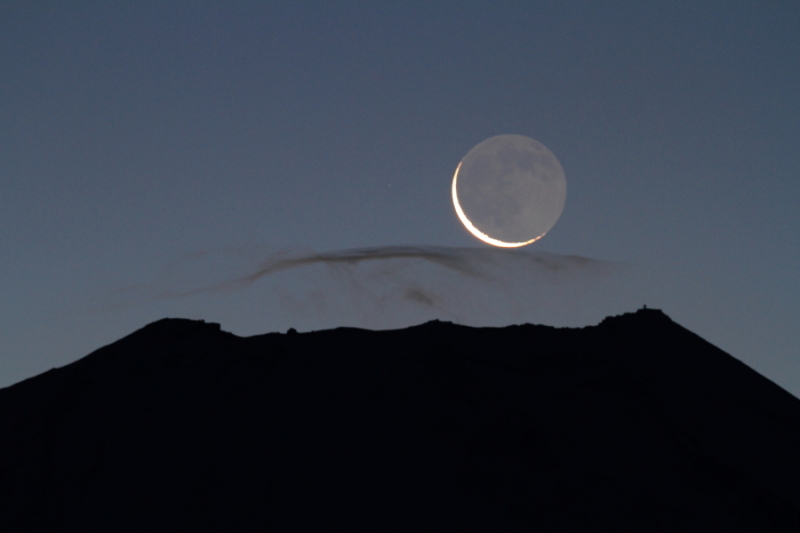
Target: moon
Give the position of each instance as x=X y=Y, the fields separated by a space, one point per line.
x=509 y=190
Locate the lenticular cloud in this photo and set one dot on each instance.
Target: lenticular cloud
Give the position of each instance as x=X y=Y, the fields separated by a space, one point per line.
x=392 y=286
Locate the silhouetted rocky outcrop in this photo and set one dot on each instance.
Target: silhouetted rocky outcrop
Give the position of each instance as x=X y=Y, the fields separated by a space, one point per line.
x=633 y=425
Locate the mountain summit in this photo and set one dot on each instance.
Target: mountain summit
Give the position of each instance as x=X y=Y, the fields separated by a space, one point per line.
x=635 y=424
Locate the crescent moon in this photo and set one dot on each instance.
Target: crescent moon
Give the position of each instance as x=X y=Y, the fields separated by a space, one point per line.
x=475 y=231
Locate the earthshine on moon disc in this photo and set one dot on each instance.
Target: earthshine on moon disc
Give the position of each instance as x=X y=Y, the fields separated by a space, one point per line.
x=509 y=190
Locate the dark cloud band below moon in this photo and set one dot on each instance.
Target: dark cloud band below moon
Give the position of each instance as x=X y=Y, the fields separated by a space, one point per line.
x=388 y=286
x=473 y=262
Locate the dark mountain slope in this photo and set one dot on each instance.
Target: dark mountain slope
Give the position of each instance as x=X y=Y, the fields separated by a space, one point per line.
x=632 y=425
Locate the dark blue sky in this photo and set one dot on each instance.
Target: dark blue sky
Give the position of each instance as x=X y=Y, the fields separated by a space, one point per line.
x=136 y=136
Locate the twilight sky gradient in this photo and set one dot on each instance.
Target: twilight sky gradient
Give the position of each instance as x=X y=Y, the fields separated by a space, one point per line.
x=150 y=149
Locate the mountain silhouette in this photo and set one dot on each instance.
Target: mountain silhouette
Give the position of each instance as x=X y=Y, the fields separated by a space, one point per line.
x=635 y=424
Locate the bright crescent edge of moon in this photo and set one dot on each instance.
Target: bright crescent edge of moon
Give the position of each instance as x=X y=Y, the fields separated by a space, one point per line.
x=475 y=231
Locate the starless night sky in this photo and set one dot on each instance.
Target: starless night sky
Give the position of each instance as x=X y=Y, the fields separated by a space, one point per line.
x=150 y=148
